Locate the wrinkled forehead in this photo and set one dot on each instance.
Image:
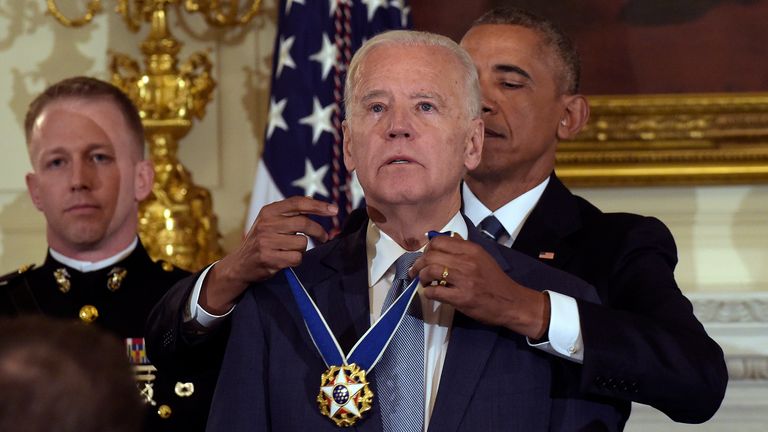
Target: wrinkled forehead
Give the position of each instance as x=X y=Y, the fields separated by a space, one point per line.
x=419 y=66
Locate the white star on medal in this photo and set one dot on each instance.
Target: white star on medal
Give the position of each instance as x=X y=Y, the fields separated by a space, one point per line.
x=353 y=389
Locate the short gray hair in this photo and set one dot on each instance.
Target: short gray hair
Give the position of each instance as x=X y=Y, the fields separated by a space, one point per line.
x=416 y=38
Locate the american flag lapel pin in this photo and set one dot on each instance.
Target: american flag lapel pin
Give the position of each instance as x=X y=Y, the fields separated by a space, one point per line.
x=547 y=255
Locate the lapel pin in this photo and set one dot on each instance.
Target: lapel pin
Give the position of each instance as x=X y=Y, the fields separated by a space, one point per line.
x=62 y=279
x=547 y=255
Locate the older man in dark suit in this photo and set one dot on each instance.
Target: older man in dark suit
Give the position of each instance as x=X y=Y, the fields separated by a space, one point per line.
x=413 y=129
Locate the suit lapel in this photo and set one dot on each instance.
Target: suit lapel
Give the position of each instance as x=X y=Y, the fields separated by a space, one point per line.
x=337 y=281
x=554 y=217
x=470 y=346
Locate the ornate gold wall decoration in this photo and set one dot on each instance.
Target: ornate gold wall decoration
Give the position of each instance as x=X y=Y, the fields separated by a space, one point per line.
x=176 y=223
x=670 y=139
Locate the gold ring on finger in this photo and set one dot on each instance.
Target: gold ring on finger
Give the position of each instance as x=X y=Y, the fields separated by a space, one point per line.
x=444 y=276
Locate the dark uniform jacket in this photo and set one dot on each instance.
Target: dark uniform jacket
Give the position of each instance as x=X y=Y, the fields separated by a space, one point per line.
x=122 y=310
x=643 y=343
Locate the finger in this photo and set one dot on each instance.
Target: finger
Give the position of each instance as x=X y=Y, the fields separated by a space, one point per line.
x=443 y=294
x=278 y=260
x=439 y=259
x=286 y=242
x=314 y=230
x=435 y=273
x=289 y=225
x=305 y=205
x=454 y=245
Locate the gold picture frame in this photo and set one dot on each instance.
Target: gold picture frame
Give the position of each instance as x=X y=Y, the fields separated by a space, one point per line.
x=672 y=139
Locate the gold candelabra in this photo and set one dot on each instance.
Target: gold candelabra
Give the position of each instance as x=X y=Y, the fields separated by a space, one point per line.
x=176 y=222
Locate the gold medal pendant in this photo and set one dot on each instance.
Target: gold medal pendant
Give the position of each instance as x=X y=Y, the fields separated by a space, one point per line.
x=344 y=394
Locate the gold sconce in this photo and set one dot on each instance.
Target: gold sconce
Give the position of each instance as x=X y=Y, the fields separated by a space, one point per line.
x=176 y=223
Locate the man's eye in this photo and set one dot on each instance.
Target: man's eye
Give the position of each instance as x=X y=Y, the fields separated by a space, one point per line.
x=54 y=163
x=511 y=85
x=426 y=107
x=101 y=158
x=377 y=108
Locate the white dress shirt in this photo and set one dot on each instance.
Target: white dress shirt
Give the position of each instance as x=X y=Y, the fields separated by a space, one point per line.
x=564 y=323
x=90 y=266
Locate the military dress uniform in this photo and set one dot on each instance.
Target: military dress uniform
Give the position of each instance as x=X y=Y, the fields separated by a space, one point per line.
x=117 y=298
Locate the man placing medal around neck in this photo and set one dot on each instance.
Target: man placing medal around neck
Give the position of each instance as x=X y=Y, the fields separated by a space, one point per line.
x=357 y=334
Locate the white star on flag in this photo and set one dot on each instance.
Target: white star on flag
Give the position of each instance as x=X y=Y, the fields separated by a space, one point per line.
x=312 y=182
x=404 y=10
x=326 y=56
x=353 y=389
x=320 y=119
x=285 y=59
x=276 y=119
x=289 y=3
x=333 y=4
x=372 y=5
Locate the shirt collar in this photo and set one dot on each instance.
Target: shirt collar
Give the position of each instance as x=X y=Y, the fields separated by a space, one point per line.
x=89 y=266
x=383 y=251
x=512 y=215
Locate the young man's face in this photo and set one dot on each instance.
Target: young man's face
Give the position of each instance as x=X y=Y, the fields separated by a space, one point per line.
x=88 y=175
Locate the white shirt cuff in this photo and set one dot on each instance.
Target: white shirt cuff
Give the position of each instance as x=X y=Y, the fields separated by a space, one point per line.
x=195 y=314
x=564 y=329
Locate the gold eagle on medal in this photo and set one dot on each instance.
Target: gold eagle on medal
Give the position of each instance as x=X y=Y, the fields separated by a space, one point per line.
x=344 y=394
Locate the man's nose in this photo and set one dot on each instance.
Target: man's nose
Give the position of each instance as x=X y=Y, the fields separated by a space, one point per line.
x=82 y=176
x=400 y=124
x=489 y=106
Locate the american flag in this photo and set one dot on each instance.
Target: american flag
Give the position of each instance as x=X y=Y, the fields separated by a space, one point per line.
x=303 y=143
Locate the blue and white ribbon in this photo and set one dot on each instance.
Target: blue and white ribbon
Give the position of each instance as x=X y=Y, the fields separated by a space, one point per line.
x=368 y=350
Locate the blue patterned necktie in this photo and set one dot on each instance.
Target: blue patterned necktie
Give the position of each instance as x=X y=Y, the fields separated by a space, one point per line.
x=400 y=372
x=492 y=228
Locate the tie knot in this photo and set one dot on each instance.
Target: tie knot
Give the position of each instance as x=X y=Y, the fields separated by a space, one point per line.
x=491 y=227
x=404 y=263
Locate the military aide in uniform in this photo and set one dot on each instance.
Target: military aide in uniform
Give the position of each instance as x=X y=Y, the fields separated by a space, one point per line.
x=86 y=145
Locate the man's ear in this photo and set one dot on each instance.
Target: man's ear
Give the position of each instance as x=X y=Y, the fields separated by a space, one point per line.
x=143 y=179
x=33 y=187
x=574 y=118
x=474 y=148
x=347 y=140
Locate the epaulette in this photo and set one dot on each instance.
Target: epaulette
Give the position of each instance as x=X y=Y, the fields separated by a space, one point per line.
x=7 y=278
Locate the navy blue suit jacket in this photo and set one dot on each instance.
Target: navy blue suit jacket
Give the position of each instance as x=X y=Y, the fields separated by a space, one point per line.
x=491 y=379
x=643 y=342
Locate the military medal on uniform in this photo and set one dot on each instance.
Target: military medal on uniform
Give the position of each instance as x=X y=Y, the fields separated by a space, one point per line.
x=344 y=392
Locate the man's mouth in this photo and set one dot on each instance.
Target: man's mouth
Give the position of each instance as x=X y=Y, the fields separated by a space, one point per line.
x=490 y=133
x=82 y=207
x=399 y=160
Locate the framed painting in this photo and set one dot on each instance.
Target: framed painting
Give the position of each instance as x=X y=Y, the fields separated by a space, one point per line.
x=678 y=89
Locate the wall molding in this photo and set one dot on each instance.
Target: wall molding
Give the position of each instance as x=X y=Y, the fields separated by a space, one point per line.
x=732 y=310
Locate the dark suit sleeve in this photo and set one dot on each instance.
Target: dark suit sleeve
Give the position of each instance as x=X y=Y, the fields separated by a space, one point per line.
x=170 y=346
x=644 y=344
x=240 y=402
